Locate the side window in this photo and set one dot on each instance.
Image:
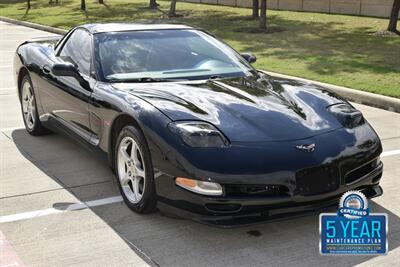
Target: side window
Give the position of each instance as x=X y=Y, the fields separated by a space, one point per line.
x=77 y=49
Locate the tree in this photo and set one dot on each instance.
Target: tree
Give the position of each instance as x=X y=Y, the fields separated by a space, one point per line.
x=172 y=9
x=28 y=4
x=153 y=4
x=394 y=16
x=101 y=2
x=83 y=5
x=255 y=9
x=263 y=14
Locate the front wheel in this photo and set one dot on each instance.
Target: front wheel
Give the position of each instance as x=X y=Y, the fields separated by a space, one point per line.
x=134 y=170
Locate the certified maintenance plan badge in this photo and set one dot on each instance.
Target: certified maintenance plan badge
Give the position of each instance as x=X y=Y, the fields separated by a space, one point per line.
x=353 y=230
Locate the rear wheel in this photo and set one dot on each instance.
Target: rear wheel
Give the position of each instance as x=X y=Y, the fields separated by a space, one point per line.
x=135 y=171
x=29 y=108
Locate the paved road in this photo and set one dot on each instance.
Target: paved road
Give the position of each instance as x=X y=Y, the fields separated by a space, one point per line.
x=44 y=180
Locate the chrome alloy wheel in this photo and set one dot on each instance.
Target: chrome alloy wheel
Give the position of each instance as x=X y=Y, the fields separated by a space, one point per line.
x=131 y=169
x=28 y=105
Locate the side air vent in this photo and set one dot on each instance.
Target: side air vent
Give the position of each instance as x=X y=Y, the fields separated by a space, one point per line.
x=360 y=172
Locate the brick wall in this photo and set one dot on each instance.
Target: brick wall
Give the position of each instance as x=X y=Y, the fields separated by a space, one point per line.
x=376 y=8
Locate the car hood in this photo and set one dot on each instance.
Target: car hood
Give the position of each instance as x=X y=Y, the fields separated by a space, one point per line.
x=246 y=109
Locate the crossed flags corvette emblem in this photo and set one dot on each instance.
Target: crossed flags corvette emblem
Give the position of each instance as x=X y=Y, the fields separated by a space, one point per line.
x=306 y=148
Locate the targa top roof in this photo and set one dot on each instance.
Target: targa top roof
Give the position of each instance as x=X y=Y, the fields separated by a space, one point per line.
x=121 y=27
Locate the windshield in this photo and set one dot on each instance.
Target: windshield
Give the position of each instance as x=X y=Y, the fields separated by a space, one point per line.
x=165 y=54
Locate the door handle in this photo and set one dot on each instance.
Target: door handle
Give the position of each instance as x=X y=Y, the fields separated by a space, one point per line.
x=46 y=69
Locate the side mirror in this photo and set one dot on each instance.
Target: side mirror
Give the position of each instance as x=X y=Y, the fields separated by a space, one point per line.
x=249 y=57
x=65 y=69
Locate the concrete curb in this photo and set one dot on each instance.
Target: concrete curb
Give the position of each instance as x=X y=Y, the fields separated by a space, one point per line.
x=360 y=97
x=370 y=99
x=34 y=25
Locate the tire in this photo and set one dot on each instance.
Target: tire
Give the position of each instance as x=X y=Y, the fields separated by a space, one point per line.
x=134 y=171
x=29 y=108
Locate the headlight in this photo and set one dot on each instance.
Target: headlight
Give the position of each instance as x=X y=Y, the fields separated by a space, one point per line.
x=200 y=187
x=199 y=134
x=348 y=116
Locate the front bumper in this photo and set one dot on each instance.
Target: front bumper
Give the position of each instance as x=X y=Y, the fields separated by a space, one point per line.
x=228 y=211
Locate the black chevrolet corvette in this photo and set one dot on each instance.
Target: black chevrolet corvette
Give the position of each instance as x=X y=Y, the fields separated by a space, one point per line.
x=191 y=128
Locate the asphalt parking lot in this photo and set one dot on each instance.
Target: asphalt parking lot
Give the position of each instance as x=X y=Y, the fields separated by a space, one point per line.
x=60 y=206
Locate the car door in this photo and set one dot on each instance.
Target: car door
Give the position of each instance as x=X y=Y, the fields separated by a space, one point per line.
x=67 y=99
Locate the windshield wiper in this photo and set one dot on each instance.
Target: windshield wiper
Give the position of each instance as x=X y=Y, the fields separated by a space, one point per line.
x=144 y=80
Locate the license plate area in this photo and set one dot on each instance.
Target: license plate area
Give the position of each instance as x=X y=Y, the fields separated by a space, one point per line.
x=317 y=180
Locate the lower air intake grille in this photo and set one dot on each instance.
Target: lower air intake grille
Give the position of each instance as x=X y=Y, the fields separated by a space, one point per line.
x=256 y=190
x=360 y=172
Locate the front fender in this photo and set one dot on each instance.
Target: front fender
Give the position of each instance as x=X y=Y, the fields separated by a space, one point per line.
x=108 y=105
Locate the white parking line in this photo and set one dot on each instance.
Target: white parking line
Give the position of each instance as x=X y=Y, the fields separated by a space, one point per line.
x=10 y=129
x=8 y=88
x=390 y=153
x=72 y=207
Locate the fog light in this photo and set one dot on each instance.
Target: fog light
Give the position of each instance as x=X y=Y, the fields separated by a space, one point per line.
x=200 y=187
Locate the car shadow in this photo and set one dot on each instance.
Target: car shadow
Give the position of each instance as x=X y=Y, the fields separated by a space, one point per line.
x=170 y=241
